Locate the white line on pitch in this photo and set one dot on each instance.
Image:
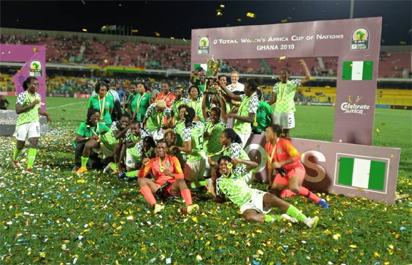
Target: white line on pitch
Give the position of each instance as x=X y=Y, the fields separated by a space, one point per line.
x=66 y=105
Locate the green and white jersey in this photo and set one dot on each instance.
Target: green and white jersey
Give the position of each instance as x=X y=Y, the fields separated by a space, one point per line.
x=154 y=118
x=236 y=151
x=285 y=94
x=87 y=131
x=109 y=139
x=212 y=143
x=179 y=127
x=136 y=151
x=234 y=188
x=24 y=99
x=174 y=106
x=194 y=133
x=197 y=106
x=129 y=137
x=247 y=105
x=104 y=105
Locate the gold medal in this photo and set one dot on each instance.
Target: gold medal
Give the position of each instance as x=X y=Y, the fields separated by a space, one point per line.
x=162 y=168
x=281 y=102
x=255 y=124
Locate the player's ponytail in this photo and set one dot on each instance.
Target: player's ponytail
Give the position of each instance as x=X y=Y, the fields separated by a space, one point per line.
x=232 y=135
x=189 y=116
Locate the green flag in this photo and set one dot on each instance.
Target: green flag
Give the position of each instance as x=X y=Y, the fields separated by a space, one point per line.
x=362 y=173
x=357 y=70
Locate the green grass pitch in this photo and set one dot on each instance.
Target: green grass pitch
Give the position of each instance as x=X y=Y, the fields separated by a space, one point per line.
x=57 y=217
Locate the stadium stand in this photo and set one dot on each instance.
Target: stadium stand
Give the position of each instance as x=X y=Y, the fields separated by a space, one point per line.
x=84 y=51
x=71 y=49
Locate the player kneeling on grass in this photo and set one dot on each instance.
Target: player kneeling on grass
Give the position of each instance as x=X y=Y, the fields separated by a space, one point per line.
x=254 y=204
x=168 y=176
x=88 y=138
x=28 y=126
x=113 y=141
x=284 y=162
x=136 y=156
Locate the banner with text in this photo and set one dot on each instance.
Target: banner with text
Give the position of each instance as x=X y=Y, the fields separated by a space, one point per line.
x=356 y=42
x=352 y=170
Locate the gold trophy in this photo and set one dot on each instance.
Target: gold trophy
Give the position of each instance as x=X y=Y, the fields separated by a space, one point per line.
x=211 y=74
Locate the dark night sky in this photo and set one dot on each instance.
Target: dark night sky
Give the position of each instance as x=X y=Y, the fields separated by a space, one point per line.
x=178 y=18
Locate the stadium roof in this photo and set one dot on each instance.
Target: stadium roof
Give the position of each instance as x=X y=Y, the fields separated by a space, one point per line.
x=177 y=18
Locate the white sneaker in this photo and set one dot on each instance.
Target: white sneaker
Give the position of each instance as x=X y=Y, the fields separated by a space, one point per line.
x=311 y=222
x=289 y=218
x=107 y=168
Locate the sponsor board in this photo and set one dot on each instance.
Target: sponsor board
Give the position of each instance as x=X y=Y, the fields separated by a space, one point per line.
x=352 y=170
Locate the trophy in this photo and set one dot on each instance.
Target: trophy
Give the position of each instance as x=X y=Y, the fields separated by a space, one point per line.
x=211 y=74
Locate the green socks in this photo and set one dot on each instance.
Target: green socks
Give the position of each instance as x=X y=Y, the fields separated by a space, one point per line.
x=295 y=213
x=113 y=166
x=132 y=174
x=16 y=153
x=269 y=218
x=31 y=155
x=84 y=161
x=203 y=183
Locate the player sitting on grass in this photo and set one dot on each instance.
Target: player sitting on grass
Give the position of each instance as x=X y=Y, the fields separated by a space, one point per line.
x=113 y=142
x=284 y=161
x=88 y=138
x=254 y=204
x=168 y=176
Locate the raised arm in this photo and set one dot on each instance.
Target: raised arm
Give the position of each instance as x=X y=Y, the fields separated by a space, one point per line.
x=223 y=107
x=120 y=134
x=307 y=73
x=204 y=109
x=231 y=95
x=249 y=164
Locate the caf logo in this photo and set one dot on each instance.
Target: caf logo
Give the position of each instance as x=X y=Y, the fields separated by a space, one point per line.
x=203 y=46
x=35 y=68
x=360 y=39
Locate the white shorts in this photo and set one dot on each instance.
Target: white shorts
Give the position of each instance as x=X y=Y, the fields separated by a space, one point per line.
x=244 y=138
x=286 y=120
x=105 y=151
x=255 y=202
x=195 y=170
x=27 y=130
x=130 y=160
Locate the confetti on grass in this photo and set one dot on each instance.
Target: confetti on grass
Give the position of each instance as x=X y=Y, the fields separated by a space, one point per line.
x=50 y=217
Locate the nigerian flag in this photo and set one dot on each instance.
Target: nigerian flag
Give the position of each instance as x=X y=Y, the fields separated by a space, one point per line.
x=357 y=70
x=362 y=173
x=196 y=65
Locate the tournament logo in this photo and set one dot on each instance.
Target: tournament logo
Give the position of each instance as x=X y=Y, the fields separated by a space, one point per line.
x=360 y=39
x=203 y=46
x=35 y=68
x=354 y=107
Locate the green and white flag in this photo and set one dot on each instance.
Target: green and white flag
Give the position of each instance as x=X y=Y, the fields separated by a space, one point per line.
x=362 y=173
x=196 y=65
x=357 y=70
